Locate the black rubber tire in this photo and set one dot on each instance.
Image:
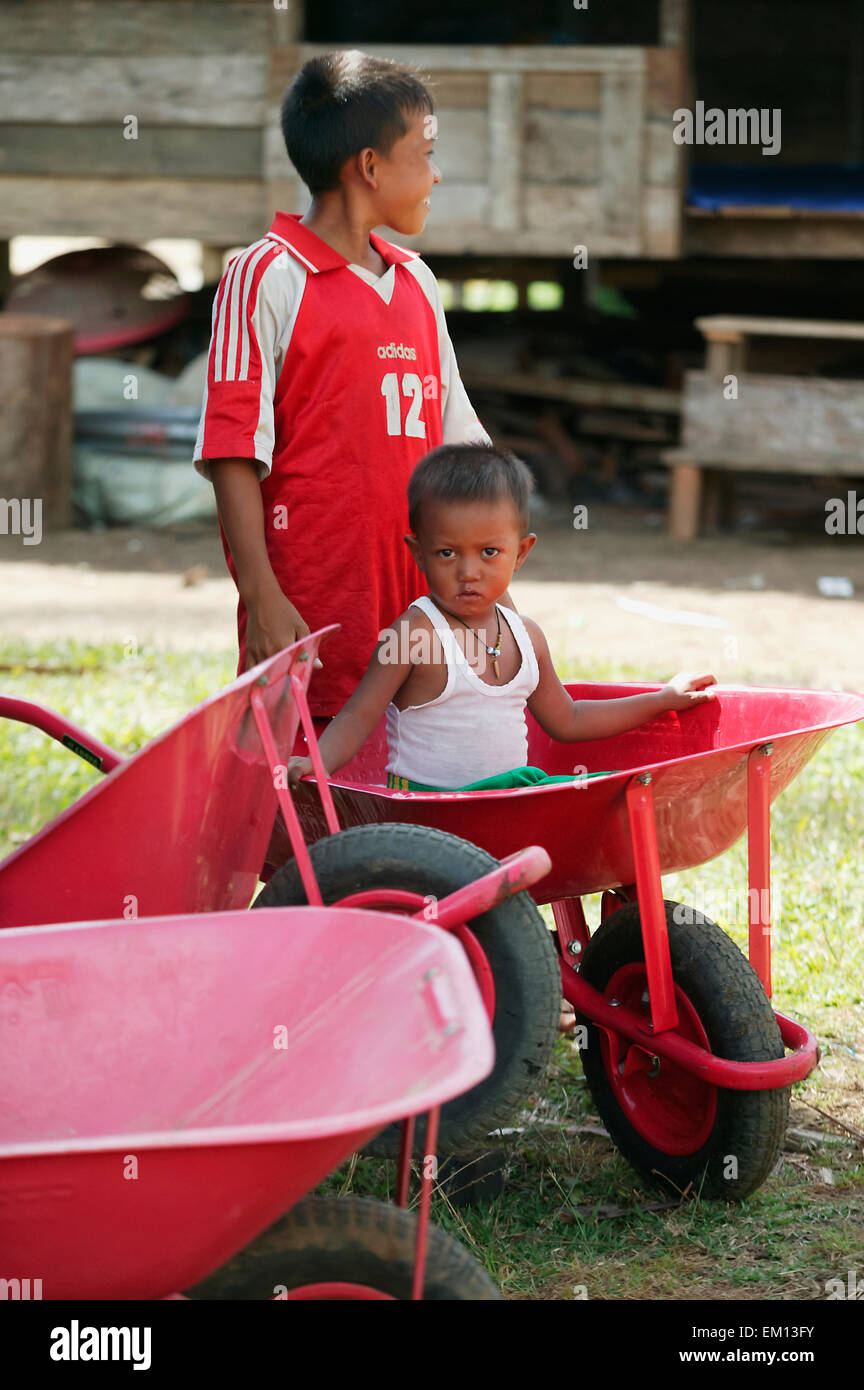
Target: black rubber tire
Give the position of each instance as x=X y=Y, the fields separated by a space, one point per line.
x=348 y=1240
x=740 y=1024
x=513 y=935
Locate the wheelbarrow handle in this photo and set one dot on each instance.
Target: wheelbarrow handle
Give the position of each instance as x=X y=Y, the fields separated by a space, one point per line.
x=514 y=873
x=91 y=749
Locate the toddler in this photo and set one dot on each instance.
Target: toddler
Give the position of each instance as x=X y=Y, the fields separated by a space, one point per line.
x=455 y=671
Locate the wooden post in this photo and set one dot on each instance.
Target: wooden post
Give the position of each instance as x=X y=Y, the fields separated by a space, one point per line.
x=674 y=23
x=621 y=139
x=724 y=353
x=505 y=148
x=36 y=357
x=685 y=495
x=288 y=21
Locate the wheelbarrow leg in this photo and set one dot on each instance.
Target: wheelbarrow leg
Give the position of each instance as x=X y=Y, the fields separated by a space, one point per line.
x=403 y=1171
x=759 y=861
x=646 y=858
x=572 y=929
x=286 y=805
x=428 y=1174
x=427 y=1178
x=308 y=727
x=277 y=767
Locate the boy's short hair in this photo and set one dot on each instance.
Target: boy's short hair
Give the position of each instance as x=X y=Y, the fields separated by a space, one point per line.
x=469 y=473
x=340 y=103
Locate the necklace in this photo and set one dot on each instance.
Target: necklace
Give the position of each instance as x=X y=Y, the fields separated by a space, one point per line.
x=495 y=651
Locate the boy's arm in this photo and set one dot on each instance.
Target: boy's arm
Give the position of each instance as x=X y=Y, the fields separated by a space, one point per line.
x=570 y=721
x=248 y=339
x=236 y=434
x=459 y=421
x=388 y=669
x=272 y=620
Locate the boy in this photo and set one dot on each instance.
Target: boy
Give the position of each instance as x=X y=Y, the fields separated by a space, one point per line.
x=331 y=373
x=454 y=673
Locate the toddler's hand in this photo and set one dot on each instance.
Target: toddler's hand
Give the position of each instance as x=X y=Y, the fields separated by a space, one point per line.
x=297 y=768
x=687 y=689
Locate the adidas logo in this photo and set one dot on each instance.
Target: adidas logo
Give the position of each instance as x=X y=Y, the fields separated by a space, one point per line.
x=397 y=350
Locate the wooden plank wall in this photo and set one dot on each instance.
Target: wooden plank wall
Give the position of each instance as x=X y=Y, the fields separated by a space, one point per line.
x=545 y=148
x=541 y=148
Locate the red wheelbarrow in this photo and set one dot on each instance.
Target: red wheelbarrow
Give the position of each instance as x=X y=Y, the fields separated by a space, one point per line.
x=684 y=1056
x=171 y=836
x=171 y=1086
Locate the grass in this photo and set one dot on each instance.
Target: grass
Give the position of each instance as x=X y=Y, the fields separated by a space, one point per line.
x=123 y=700
x=573 y=1215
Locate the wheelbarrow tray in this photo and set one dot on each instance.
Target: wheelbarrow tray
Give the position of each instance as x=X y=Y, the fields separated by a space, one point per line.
x=180 y=826
x=171 y=1086
x=698 y=761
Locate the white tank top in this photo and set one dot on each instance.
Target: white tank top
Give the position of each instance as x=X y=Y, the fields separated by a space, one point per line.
x=471 y=730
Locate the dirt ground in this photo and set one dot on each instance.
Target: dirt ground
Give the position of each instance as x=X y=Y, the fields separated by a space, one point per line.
x=755 y=612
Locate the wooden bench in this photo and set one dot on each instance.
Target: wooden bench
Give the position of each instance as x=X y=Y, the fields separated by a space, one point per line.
x=775 y=424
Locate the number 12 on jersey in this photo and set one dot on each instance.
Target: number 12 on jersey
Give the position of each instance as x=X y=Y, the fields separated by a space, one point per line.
x=412 y=388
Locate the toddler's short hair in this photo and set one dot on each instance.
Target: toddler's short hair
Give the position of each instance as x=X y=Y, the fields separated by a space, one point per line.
x=341 y=103
x=469 y=473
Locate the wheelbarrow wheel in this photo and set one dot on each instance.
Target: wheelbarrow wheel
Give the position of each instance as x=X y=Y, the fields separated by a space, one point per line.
x=348 y=1241
x=512 y=939
x=673 y=1127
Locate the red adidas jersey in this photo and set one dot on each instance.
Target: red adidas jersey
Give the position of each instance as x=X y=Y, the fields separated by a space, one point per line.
x=336 y=381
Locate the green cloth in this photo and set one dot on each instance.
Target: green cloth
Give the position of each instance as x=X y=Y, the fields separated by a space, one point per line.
x=503 y=781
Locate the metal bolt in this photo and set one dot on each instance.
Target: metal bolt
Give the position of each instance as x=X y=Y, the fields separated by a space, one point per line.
x=430 y=974
x=655 y=1065
x=643 y=779
x=765 y=749
x=450 y=1029
x=614 y=1003
x=262 y=680
x=575 y=948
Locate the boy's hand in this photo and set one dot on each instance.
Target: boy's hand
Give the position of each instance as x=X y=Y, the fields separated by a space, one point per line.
x=272 y=623
x=685 y=690
x=297 y=768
